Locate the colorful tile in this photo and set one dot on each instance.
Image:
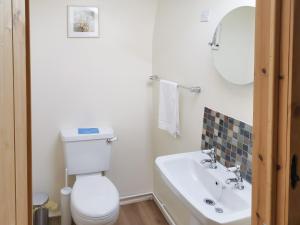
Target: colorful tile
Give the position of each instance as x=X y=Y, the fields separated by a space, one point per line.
x=232 y=139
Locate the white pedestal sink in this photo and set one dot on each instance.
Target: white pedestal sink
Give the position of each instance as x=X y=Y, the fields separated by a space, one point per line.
x=204 y=191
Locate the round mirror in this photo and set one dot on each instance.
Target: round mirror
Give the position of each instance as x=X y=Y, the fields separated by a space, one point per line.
x=233 y=46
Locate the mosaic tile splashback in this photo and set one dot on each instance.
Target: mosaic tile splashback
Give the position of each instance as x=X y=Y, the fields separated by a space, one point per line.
x=231 y=138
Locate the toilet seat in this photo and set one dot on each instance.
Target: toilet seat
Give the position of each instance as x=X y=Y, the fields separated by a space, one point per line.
x=94 y=201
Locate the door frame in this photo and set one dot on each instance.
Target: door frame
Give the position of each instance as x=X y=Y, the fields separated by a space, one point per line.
x=273 y=111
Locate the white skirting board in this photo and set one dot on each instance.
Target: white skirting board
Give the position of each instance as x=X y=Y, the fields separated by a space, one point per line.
x=139 y=198
x=163 y=210
x=135 y=198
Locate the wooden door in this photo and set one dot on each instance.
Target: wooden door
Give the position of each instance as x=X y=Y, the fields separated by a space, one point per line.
x=276 y=187
x=289 y=153
x=15 y=183
x=7 y=148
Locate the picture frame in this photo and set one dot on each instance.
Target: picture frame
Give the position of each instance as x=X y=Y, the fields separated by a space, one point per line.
x=83 y=22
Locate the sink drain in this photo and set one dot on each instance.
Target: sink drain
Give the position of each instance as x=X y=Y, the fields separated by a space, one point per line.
x=219 y=210
x=209 y=202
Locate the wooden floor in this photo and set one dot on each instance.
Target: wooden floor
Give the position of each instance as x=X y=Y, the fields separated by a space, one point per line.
x=141 y=213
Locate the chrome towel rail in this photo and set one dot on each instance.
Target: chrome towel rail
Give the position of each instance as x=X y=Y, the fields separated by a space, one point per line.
x=195 y=89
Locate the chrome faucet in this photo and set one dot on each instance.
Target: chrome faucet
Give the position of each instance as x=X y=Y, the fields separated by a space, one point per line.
x=213 y=158
x=238 y=180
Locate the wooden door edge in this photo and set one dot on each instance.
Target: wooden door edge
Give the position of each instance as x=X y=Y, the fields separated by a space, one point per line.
x=22 y=101
x=28 y=99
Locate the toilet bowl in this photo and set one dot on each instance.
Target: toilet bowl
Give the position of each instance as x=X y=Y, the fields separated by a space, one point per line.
x=94 y=201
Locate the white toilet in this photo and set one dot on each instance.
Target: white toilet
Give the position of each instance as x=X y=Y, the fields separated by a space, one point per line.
x=94 y=198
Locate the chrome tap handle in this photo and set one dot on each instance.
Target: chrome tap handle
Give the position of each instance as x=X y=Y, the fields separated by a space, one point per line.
x=209 y=151
x=234 y=169
x=212 y=154
x=230 y=180
x=238 y=180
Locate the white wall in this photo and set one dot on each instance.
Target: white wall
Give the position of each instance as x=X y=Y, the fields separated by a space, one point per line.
x=96 y=82
x=93 y=82
x=181 y=53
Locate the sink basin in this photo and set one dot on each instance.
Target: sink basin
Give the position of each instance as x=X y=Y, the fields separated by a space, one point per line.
x=204 y=191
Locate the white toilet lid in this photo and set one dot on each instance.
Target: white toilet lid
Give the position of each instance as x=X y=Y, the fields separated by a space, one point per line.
x=94 y=196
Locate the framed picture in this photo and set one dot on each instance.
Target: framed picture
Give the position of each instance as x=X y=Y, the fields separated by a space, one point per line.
x=83 y=21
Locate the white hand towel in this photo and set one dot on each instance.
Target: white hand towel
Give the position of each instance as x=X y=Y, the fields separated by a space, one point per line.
x=169 y=107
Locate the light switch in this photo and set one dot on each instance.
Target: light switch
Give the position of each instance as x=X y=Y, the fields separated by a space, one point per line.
x=205 y=15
